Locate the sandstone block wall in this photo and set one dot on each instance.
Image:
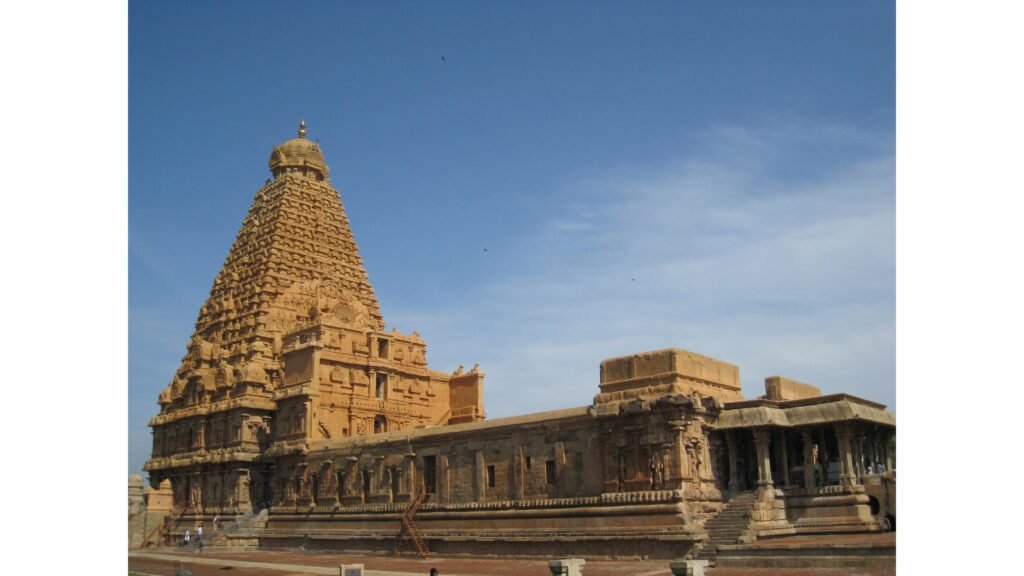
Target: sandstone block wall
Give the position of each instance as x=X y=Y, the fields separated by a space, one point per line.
x=779 y=388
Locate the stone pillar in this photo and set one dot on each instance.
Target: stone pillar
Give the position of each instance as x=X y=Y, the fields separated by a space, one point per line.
x=243 y=500
x=666 y=462
x=352 y=478
x=201 y=434
x=715 y=451
x=369 y=493
x=886 y=452
x=782 y=455
x=307 y=419
x=410 y=475
x=559 y=466
x=442 y=473
x=732 y=445
x=518 y=472
x=810 y=466
x=705 y=447
x=869 y=453
x=399 y=473
x=196 y=497
x=480 y=477
x=844 y=437
x=680 y=465
x=762 y=440
x=382 y=478
x=858 y=456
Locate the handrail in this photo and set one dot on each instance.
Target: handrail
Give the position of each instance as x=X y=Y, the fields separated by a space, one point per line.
x=408 y=530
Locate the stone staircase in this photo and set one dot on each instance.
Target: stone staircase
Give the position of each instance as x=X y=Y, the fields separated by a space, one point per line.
x=728 y=525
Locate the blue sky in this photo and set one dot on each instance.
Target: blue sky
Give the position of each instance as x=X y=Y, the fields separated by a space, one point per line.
x=537 y=186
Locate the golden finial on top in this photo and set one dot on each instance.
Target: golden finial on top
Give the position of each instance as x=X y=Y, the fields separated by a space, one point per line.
x=302 y=129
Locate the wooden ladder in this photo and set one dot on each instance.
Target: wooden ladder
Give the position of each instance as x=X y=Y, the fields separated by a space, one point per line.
x=408 y=529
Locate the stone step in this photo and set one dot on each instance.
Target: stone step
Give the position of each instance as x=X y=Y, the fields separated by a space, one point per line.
x=727 y=527
x=735 y=520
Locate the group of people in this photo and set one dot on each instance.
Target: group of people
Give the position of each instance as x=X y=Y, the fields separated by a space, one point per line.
x=216 y=520
x=199 y=533
x=199 y=537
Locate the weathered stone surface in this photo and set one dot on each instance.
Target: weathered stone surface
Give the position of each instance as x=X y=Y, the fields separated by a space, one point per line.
x=663 y=372
x=779 y=388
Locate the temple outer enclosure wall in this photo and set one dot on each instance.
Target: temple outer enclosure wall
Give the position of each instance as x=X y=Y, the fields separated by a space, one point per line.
x=296 y=409
x=525 y=482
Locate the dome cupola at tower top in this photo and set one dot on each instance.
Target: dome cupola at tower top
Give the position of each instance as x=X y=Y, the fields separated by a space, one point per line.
x=299 y=156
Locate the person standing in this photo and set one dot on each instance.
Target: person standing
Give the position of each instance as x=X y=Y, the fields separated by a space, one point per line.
x=187 y=536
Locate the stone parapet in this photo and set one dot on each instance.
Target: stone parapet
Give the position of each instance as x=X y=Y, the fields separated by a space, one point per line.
x=664 y=372
x=779 y=388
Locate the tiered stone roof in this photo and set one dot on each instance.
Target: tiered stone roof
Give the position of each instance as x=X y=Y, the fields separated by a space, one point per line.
x=294 y=257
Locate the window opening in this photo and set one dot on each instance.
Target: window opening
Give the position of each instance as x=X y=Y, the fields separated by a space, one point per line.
x=430 y=474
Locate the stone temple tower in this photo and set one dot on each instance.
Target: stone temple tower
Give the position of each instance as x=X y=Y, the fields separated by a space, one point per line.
x=290 y=349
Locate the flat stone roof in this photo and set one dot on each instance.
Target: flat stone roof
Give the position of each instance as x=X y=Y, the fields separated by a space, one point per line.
x=469 y=427
x=804 y=412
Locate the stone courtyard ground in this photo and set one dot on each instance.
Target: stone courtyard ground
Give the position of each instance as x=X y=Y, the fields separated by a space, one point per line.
x=219 y=562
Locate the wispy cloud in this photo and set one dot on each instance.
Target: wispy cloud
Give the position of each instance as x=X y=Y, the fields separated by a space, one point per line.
x=735 y=252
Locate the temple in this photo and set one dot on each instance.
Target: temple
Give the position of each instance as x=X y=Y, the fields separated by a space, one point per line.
x=294 y=410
